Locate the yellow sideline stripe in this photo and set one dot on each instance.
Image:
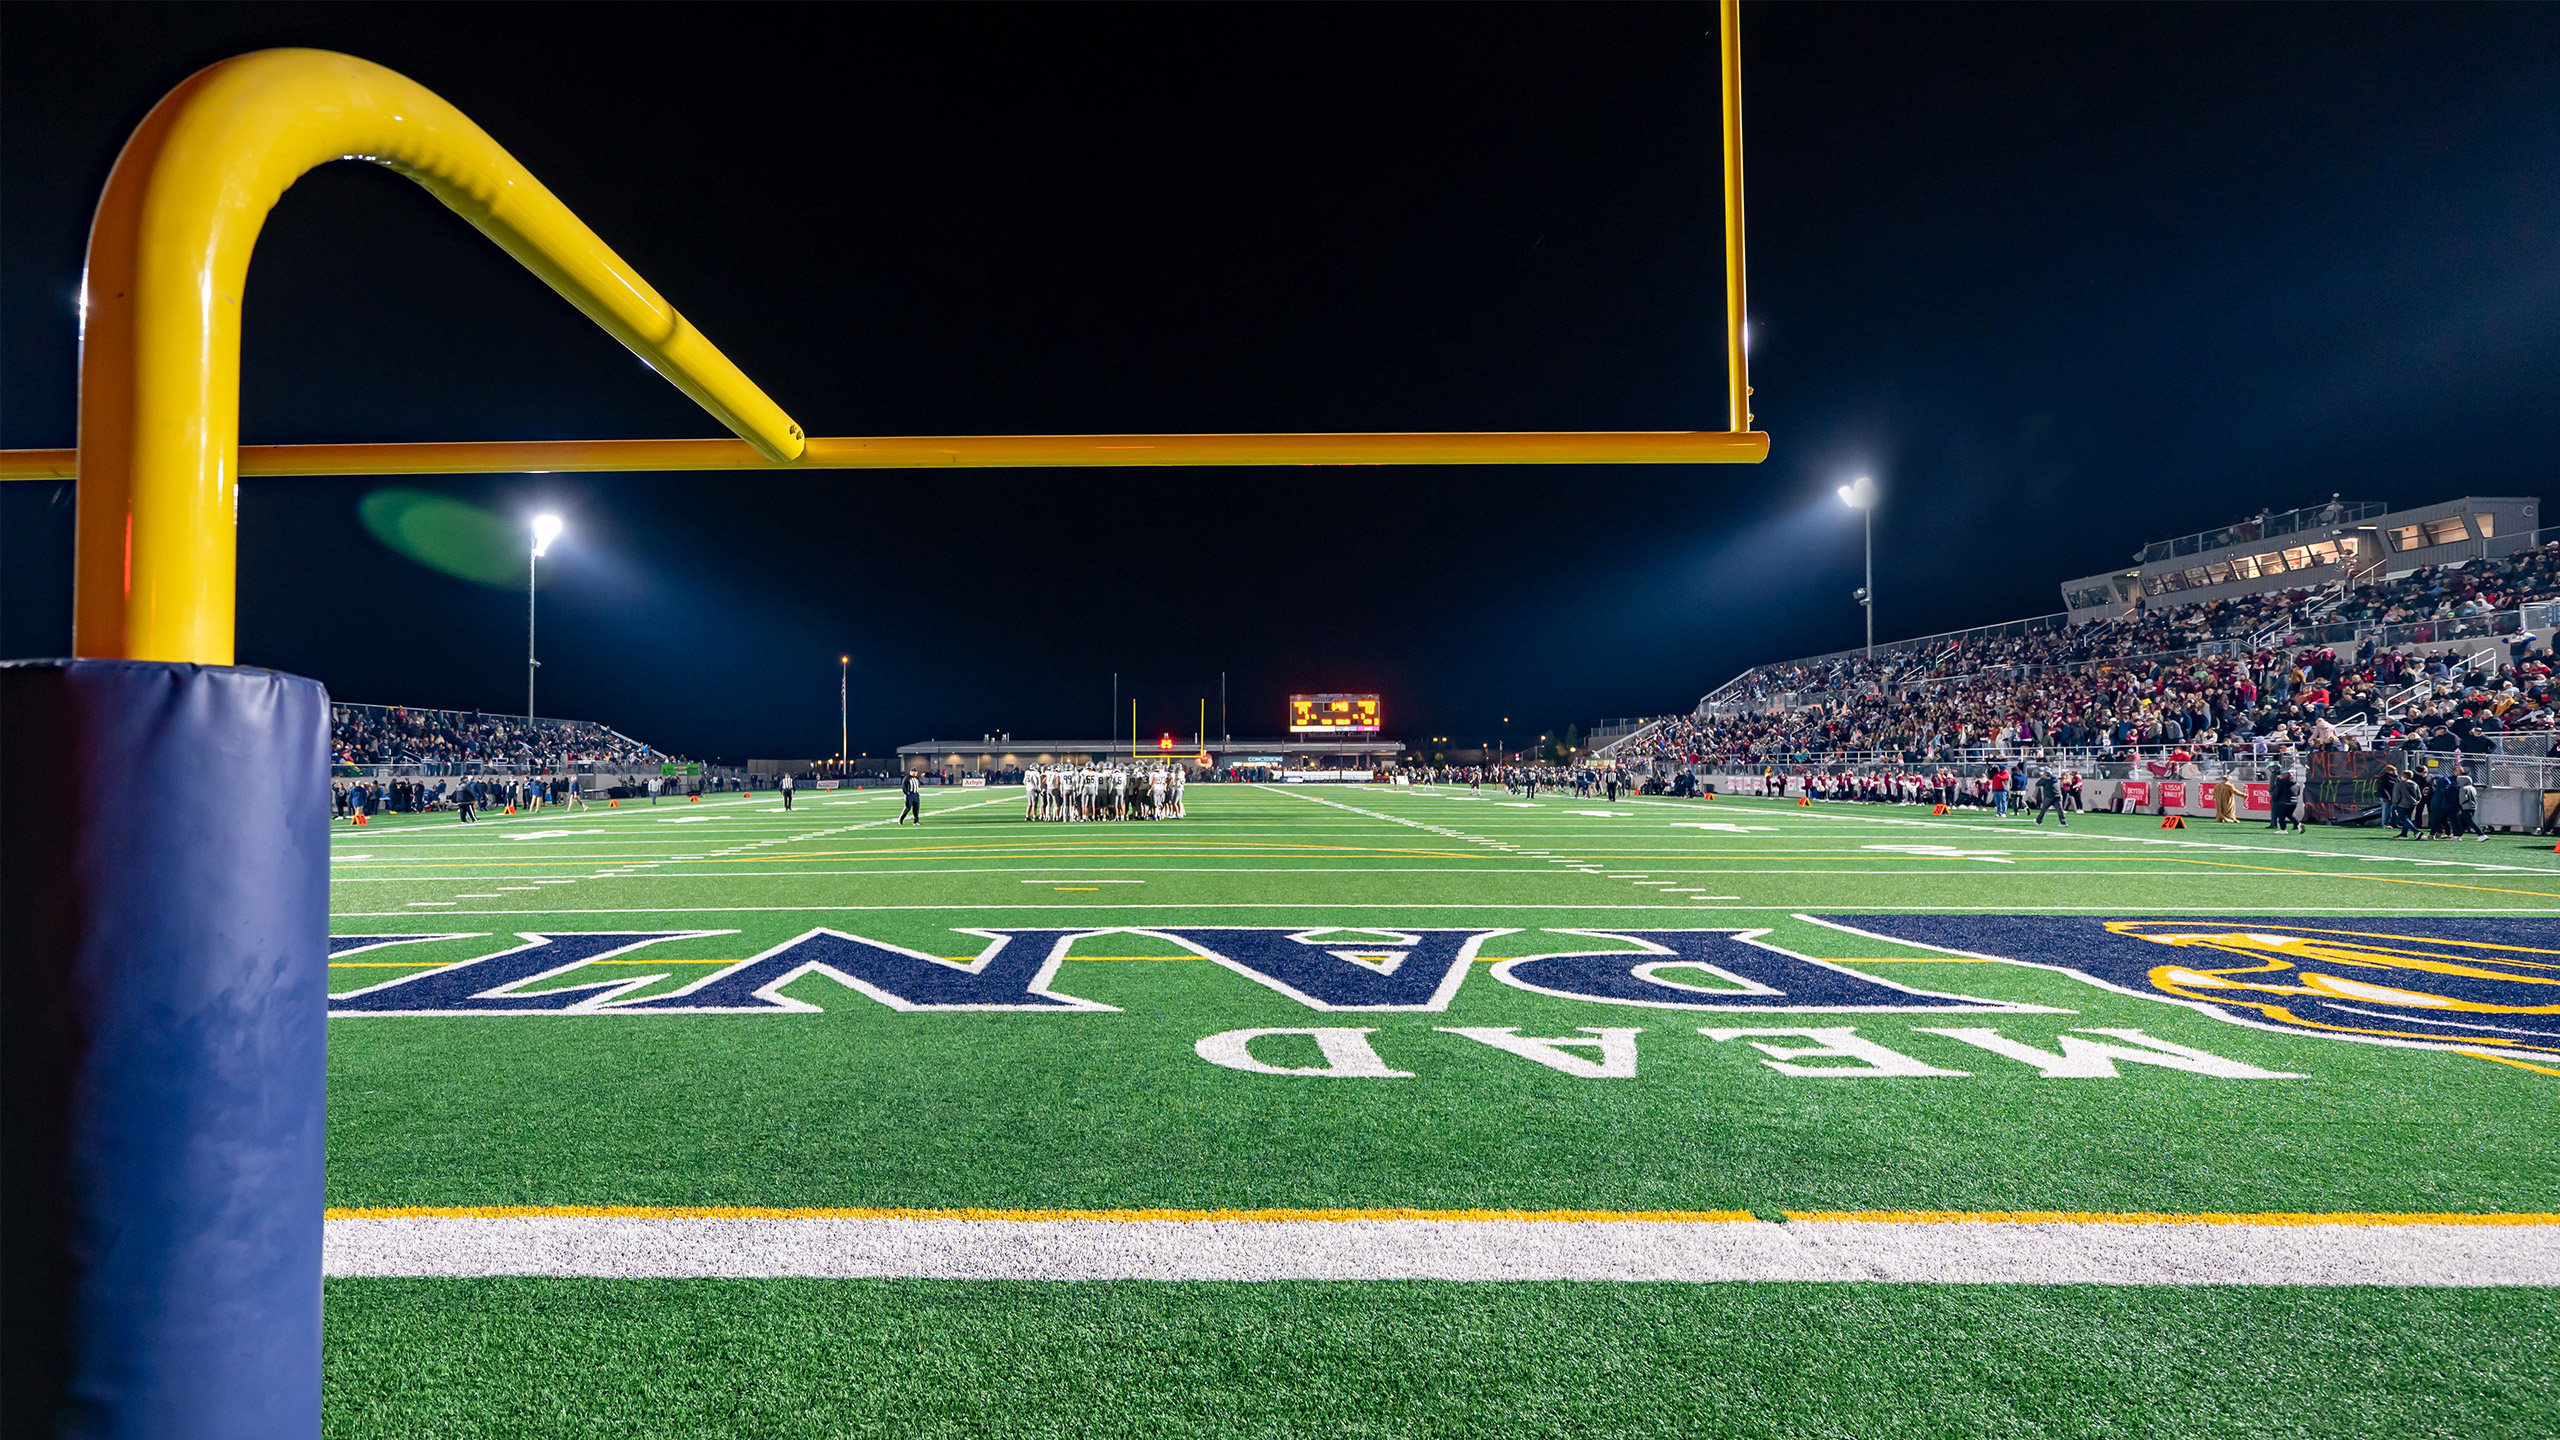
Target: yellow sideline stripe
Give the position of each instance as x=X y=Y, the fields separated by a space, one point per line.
x=2148 y=1217
x=2509 y=1060
x=759 y=1212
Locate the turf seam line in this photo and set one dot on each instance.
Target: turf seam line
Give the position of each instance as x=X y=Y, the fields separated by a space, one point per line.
x=1477 y=1215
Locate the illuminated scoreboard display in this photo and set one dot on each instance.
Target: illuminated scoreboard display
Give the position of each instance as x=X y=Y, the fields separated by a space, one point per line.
x=1333 y=714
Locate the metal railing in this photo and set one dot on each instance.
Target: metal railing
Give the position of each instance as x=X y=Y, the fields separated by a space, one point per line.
x=2265 y=527
x=2093 y=764
x=1611 y=747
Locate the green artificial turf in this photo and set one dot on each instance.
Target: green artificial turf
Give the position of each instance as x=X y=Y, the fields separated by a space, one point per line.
x=801 y=1359
x=862 y=1105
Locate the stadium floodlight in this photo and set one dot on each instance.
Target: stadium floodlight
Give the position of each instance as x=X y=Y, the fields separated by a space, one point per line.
x=546 y=528
x=1860 y=495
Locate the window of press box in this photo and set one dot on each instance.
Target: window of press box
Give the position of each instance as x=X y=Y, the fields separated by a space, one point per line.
x=2447 y=531
x=2245 y=566
x=2219 y=570
x=2198 y=578
x=2488 y=524
x=2406 y=537
x=2297 y=558
x=2151 y=585
x=2271 y=564
x=2173 y=579
x=2323 y=553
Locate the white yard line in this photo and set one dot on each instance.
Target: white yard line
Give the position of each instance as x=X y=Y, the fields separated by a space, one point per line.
x=2042 y=1253
x=1462 y=836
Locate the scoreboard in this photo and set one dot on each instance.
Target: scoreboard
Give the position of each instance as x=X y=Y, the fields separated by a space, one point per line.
x=1333 y=714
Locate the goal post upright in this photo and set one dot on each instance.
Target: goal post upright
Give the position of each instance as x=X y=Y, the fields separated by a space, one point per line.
x=168 y=262
x=164 y=814
x=1736 y=291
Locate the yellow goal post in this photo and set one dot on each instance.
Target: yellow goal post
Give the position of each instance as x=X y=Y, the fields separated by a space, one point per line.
x=159 y=461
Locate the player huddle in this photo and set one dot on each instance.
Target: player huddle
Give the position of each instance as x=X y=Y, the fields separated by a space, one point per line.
x=1102 y=792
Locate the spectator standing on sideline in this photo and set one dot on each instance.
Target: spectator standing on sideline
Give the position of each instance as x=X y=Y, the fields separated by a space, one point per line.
x=2405 y=797
x=2280 y=798
x=2466 y=808
x=2049 y=797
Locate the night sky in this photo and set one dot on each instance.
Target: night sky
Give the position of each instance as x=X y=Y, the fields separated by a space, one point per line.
x=2063 y=279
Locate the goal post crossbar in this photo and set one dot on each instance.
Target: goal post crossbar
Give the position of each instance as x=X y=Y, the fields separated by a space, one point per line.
x=925 y=452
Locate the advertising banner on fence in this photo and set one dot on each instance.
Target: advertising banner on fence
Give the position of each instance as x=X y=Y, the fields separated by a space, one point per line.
x=2137 y=793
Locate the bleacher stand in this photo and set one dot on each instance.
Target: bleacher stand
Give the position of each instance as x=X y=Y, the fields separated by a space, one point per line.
x=2284 y=671
x=455 y=741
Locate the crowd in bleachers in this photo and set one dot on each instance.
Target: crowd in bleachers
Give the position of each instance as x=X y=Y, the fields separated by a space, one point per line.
x=1581 y=779
x=398 y=735
x=2232 y=678
x=2443 y=592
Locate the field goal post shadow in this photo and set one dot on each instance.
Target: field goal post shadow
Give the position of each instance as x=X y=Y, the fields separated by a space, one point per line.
x=196 y=1148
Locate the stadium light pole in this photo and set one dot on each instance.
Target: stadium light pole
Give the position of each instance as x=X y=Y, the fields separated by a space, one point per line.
x=1861 y=497
x=546 y=528
x=844 y=715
